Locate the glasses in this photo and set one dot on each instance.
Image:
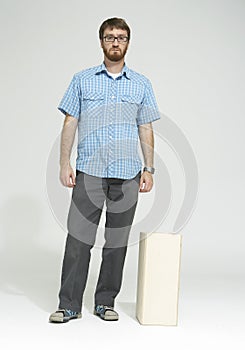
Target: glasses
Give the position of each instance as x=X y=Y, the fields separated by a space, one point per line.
x=120 y=38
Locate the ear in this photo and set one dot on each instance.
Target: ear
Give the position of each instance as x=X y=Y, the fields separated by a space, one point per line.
x=101 y=41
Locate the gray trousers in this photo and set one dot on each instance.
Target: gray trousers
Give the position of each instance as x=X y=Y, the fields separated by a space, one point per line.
x=87 y=202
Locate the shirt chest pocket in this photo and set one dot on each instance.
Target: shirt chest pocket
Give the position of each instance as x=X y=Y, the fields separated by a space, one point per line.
x=132 y=99
x=130 y=105
x=92 y=99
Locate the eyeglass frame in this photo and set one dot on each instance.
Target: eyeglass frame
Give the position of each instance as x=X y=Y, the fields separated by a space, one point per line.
x=116 y=37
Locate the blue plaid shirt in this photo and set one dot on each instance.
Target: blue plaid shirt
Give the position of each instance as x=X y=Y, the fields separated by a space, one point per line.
x=109 y=112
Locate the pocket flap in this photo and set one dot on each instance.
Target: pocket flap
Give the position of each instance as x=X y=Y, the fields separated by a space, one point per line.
x=131 y=98
x=93 y=95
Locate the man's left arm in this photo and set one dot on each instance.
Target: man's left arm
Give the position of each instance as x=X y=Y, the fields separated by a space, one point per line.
x=146 y=137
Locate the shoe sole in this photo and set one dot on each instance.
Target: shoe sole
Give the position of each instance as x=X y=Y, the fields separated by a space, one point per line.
x=107 y=317
x=60 y=319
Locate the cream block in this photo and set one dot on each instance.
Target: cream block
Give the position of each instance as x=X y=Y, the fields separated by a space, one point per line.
x=158 y=278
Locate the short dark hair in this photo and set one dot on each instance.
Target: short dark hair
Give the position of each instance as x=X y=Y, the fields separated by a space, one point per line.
x=118 y=23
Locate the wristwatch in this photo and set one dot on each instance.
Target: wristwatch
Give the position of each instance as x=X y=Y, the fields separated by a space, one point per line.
x=149 y=169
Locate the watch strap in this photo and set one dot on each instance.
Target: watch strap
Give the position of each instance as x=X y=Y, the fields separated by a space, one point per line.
x=149 y=169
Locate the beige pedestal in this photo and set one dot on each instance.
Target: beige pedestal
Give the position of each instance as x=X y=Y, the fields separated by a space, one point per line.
x=158 y=278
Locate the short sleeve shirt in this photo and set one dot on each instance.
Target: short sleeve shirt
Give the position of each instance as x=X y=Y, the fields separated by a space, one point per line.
x=109 y=112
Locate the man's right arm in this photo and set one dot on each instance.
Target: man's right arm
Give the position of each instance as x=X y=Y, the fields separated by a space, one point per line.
x=67 y=176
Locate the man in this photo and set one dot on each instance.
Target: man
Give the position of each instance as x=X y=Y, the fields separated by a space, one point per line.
x=113 y=107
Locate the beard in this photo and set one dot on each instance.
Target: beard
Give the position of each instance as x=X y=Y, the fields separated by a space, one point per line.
x=114 y=54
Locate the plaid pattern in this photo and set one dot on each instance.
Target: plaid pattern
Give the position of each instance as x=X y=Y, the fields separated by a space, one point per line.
x=109 y=113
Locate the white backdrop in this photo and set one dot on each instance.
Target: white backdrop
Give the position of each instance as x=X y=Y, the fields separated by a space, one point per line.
x=193 y=52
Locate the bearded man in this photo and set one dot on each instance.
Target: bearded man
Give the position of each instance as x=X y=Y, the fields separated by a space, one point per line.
x=113 y=107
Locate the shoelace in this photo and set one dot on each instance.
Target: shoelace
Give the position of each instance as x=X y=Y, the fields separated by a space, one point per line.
x=101 y=308
x=70 y=312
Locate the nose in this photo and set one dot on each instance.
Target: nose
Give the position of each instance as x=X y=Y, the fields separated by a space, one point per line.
x=115 y=42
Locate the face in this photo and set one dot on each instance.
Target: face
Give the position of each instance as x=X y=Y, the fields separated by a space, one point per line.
x=114 y=51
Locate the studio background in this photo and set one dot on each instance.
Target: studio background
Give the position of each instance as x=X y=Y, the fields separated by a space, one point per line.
x=193 y=53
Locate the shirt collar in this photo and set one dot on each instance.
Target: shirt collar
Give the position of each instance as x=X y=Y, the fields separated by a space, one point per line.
x=125 y=70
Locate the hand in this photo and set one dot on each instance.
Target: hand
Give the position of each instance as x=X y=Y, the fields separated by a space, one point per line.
x=67 y=176
x=146 y=182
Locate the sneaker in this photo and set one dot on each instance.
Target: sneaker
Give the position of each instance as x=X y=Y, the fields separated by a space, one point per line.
x=106 y=313
x=64 y=315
